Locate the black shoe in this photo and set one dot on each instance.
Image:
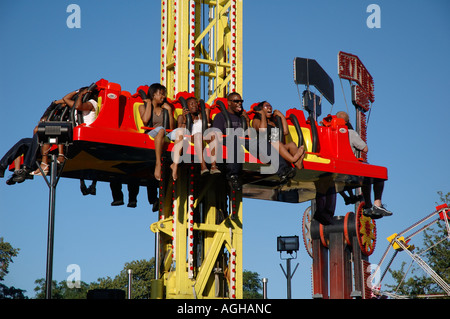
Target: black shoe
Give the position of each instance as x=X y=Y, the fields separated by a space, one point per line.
x=20 y=175
x=84 y=189
x=376 y=212
x=10 y=181
x=287 y=174
x=234 y=182
x=92 y=190
x=132 y=204
x=155 y=207
x=381 y=211
x=117 y=203
x=353 y=199
x=325 y=217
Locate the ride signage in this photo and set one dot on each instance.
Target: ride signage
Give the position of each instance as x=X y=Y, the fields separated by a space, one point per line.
x=351 y=68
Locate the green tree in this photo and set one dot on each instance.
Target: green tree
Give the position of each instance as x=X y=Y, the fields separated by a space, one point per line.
x=7 y=252
x=252 y=285
x=142 y=272
x=61 y=290
x=436 y=253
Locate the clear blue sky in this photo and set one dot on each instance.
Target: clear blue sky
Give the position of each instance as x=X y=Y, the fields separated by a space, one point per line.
x=41 y=59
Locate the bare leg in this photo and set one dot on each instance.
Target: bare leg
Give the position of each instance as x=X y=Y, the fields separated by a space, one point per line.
x=44 y=162
x=17 y=163
x=294 y=150
x=61 y=157
x=284 y=152
x=198 y=146
x=177 y=153
x=159 y=143
x=213 y=148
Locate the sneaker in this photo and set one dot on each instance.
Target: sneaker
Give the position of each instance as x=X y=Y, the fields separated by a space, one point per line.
x=376 y=212
x=381 y=210
x=20 y=175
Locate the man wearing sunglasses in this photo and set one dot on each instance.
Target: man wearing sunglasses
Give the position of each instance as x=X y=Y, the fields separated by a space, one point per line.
x=234 y=165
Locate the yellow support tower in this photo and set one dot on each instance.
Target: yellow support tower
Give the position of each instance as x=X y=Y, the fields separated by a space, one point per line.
x=199 y=232
x=201 y=47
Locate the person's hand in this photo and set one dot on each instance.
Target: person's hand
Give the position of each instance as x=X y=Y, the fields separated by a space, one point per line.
x=278 y=113
x=261 y=112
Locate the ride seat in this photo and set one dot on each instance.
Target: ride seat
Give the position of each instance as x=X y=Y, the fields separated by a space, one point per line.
x=108 y=102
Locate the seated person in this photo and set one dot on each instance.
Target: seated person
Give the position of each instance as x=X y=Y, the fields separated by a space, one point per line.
x=28 y=147
x=178 y=135
x=377 y=210
x=151 y=113
x=233 y=167
x=264 y=120
x=89 y=113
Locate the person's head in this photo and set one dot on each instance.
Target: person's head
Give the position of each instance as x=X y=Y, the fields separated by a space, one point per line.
x=192 y=104
x=264 y=106
x=157 y=92
x=235 y=102
x=343 y=115
x=93 y=95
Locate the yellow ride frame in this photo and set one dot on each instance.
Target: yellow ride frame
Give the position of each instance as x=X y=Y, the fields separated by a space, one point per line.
x=180 y=277
x=192 y=52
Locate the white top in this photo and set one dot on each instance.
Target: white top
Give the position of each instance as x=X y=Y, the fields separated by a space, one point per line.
x=90 y=116
x=196 y=127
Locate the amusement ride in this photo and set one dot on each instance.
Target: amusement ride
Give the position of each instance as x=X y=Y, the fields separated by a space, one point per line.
x=200 y=217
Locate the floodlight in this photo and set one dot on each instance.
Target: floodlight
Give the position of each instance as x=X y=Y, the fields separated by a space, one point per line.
x=287 y=244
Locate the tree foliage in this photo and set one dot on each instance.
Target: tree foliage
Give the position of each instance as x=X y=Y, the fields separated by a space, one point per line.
x=252 y=286
x=7 y=252
x=142 y=273
x=436 y=253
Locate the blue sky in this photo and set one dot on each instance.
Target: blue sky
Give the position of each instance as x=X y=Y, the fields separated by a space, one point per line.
x=41 y=59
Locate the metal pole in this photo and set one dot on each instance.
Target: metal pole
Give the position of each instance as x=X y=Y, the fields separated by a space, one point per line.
x=288 y=277
x=51 y=227
x=265 y=280
x=157 y=252
x=129 y=283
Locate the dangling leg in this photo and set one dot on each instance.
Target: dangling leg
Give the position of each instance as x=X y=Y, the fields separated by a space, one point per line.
x=159 y=143
x=178 y=147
